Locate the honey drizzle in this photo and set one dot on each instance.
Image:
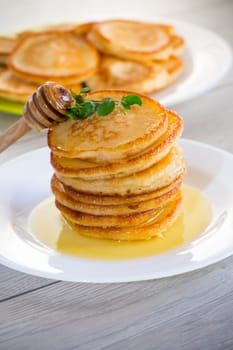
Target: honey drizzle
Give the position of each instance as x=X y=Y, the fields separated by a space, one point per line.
x=48 y=226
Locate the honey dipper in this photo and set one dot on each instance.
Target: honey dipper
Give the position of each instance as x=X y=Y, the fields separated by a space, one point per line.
x=47 y=105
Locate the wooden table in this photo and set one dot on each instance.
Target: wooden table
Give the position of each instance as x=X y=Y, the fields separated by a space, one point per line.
x=190 y=311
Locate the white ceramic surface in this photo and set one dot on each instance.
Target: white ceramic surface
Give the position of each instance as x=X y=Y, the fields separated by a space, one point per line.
x=25 y=182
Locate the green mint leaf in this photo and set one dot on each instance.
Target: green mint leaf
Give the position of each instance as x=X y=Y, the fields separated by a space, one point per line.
x=106 y=107
x=124 y=105
x=73 y=113
x=84 y=90
x=122 y=109
x=78 y=98
x=82 y=110
x=130 y=100
x=86 y=109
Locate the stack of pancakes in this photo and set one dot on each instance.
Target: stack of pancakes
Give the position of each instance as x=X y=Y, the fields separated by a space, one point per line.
x=116 y=54
x=119 y=177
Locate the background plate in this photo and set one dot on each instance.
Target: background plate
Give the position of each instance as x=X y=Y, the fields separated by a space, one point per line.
x=207 y=58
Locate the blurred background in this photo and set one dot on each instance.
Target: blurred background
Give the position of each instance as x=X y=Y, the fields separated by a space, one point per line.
x=17 y=15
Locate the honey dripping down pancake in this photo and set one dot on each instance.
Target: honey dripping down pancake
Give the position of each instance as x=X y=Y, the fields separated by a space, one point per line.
x=118 y=176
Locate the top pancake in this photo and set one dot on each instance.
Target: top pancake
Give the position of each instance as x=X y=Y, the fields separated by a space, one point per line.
x=65 y=58
x=113 y=137
x=132 y=39
x=75 y=167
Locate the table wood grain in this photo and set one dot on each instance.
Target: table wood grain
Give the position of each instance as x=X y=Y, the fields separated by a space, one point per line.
x=191 y=311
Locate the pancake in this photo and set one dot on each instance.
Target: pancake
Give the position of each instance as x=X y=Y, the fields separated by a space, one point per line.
x=144 y=231
x=125 y=220
x=108 y=200
x=67 y=199
x=16 y=89
x=74 y=167
x=115 y=73
x=145 y=77
x=7 y=45
x=64 y=57
x=83 y=28
x=133 y=40
x=174 y=66
x=158 y=175
x=114 y=137
x=177 y=45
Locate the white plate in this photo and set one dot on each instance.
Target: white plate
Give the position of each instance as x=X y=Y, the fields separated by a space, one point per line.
x=25 y=182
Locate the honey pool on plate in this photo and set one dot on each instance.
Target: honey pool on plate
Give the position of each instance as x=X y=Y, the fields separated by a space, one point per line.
x=47 y=225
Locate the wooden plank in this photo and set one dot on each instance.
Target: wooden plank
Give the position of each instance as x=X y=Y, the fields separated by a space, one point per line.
x=15 y=283
x=182 y=312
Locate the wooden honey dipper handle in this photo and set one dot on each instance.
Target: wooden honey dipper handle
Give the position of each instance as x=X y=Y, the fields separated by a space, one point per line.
x=47 y=106
x=13 y=133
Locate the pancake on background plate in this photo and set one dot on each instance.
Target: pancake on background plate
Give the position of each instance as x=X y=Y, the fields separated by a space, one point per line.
x=133 y=40
x=7 y=45
x=16 y=89
x=145 y=77
x=64 y=57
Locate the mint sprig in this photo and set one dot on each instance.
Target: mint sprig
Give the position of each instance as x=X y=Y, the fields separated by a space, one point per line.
x=85 y=107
